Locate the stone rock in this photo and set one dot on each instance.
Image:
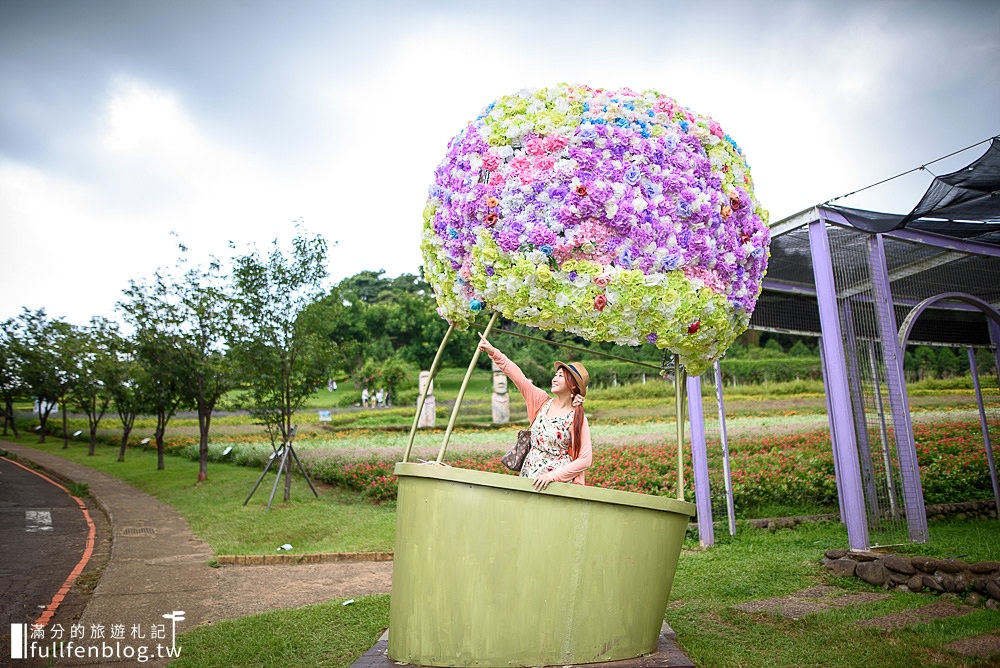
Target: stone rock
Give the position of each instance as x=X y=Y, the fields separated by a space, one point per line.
x=843 y=568
x=961 y=582
x=993 y=588
x=871 y=572
x=899 y=564
x=951 y=566
x=865 y=556
x=975 y=599
x=836 y=554
x=985 y=567
x=916 y=582
x=931 y=583
x=993 y=604
x=946 y=580
x=781 y=523
x=925 y=564
x=978 y=583
x=892 y=577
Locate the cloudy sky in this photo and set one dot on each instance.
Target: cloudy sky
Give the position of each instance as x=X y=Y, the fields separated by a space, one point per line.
x=127 y=126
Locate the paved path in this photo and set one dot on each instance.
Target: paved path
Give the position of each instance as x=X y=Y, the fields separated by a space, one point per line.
x=44 y=534
x=158 y=567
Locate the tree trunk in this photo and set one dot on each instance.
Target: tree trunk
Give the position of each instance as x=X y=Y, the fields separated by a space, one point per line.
x=93 y=440
x=65 y=432
x=204 y=422
x=159 y=447
x=121 y=449
x=10 y=417
x=127 y=423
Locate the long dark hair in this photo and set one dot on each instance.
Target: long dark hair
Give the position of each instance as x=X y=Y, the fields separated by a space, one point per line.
x=576 y=431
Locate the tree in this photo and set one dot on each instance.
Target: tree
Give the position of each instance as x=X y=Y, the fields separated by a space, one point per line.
x=96 y=367
x=42 y=346
x=279 y=345
x=11 y=383
x=184 y=322
x=127 y=389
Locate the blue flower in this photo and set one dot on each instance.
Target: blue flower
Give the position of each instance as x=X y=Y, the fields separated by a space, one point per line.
x=632 y=175
x=546 y=248
x=475 y=305
x=621 y=122
x=587 y=132
x=684 y=125
x=452 y=233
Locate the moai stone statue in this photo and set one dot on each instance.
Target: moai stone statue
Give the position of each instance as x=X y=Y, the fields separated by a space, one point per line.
x=501 y=399
x=429 y=411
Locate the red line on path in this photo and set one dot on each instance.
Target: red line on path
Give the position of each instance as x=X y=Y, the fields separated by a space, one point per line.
x=88 y=551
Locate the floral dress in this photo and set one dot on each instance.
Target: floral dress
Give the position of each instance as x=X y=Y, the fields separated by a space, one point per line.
x=550 y=439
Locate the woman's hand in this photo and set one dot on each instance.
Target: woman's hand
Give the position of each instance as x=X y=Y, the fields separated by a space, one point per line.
x=485 y=345
x=543 y=480
x=577 y=400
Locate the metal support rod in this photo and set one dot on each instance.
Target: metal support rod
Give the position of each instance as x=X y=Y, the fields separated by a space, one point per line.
x=426 y=391
x=699 y=463
x=727 y=474
x=679 y=405
x=984 y=425
x=461 y=390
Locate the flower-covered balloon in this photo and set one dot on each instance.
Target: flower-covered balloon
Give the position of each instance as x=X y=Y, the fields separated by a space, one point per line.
x=614 y=215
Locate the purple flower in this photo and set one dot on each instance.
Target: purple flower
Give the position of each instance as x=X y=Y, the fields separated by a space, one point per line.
x=651 y=338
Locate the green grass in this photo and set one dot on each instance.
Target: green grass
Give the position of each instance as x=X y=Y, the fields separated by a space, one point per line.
x=329 y=634
x=710 y=582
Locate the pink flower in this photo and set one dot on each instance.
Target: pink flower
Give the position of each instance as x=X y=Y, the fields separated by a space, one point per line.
x=600 y=301
x=602 y=280
x=545 y=163
x=693 y=327
x=491 y=161
x=555 y=143
x=535 y=147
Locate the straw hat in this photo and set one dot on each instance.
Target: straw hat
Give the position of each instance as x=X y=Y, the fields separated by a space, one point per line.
x=579 y=373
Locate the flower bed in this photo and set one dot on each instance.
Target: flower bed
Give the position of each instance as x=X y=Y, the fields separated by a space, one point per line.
x=794 y=469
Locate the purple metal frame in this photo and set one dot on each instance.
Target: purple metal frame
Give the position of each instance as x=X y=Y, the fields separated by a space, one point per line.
x=833 y=431
x=838 y=390
x=699 y=463
x=985 y=426
x=892 y=353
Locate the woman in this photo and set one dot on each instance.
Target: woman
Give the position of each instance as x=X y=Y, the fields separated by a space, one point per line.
x=560 y=436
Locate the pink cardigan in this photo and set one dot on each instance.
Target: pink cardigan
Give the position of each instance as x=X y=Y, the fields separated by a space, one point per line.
x=534 y=399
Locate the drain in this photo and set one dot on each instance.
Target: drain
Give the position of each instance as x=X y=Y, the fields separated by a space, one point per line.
x=138 y=531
